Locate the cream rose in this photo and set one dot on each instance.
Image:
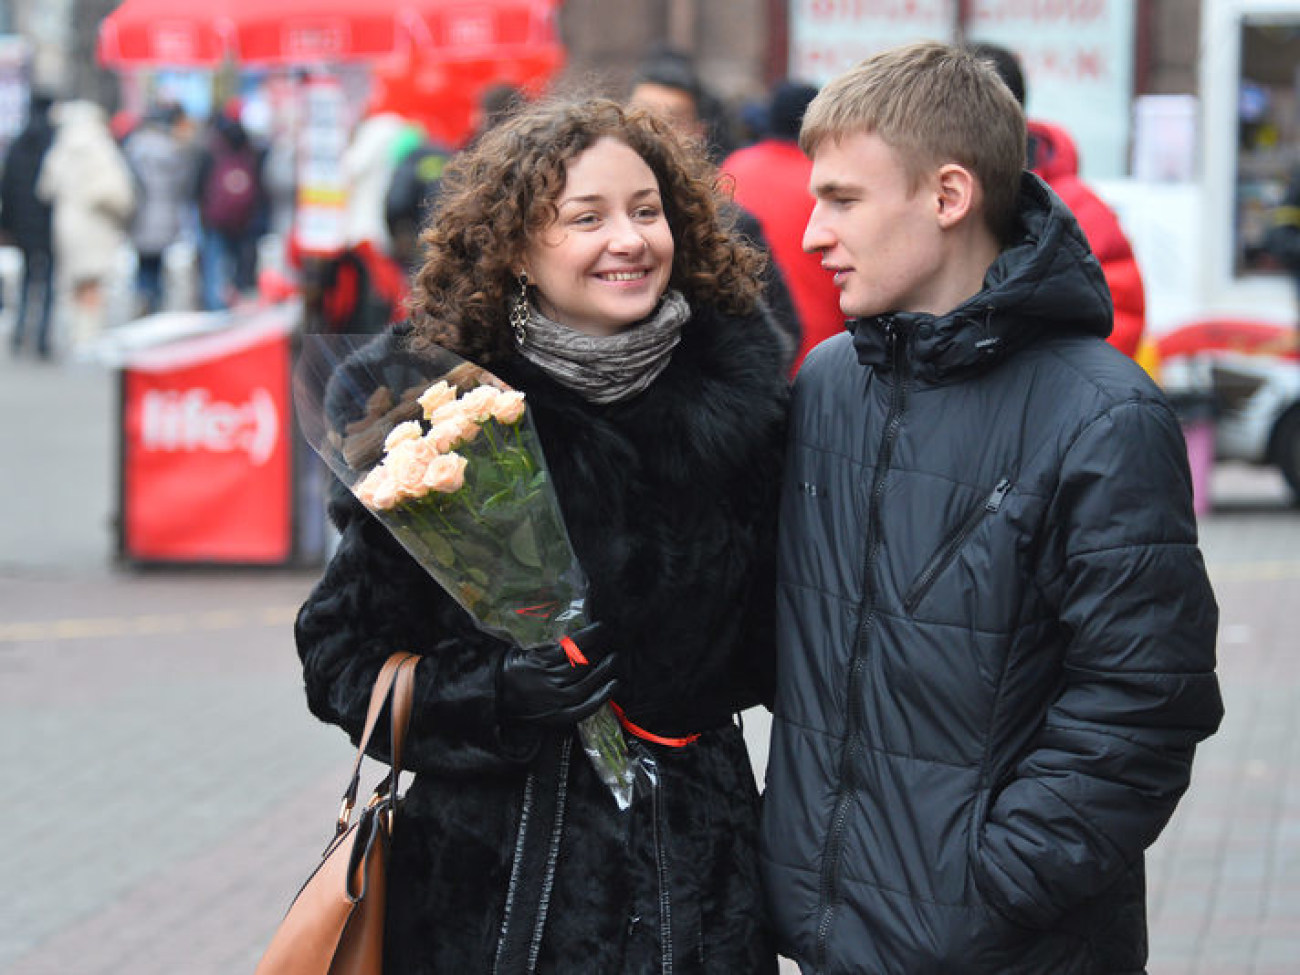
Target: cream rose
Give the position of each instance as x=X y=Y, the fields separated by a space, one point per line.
x=409 y=430
x=445 y=473
x=406 y=463
x=377 y=489
x=449 y=410
x=479 y=402
x=435 y=396
x=509 y=407
x=444 y=435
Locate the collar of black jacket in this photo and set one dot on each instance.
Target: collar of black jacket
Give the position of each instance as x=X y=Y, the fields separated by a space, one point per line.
x=1047 y=282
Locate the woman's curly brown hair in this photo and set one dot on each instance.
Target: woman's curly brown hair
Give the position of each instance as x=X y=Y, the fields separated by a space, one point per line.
x=496 y=195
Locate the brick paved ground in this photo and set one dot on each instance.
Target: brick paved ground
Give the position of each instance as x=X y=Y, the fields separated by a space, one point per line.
x=165 y=789
x=1225 y=875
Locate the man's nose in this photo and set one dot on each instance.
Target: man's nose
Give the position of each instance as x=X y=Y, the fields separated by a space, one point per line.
x=815 y=236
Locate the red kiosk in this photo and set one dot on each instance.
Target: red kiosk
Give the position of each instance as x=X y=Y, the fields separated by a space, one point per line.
x=208 y=445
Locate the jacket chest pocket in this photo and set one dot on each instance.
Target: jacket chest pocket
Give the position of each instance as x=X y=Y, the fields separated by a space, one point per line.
x=952 y=545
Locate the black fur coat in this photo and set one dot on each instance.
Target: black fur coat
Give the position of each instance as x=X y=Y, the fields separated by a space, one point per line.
x=670 y=501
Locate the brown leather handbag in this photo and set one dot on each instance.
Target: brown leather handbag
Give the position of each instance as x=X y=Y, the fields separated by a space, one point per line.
x=335 y=925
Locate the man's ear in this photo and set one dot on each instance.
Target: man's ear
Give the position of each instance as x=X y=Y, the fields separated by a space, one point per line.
x=956 y=194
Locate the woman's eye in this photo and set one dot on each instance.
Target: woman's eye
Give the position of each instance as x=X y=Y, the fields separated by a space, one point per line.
x=647 y=213
x=584 y=220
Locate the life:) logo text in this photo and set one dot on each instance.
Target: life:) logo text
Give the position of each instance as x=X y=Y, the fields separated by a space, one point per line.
x=192 y=420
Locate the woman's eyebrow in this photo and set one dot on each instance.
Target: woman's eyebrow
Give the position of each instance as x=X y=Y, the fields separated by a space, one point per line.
x=600 y=197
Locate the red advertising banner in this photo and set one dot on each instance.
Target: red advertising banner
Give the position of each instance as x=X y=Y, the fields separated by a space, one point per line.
x=206 y=452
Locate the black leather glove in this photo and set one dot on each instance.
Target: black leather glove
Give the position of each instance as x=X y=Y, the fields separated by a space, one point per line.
x=538 y=685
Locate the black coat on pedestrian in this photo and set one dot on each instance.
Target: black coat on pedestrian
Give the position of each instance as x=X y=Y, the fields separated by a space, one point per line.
x=509 y=854
x=996 y=634
x=24 y=217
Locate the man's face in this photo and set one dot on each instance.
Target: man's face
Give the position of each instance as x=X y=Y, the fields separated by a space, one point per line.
x=674 y=106
x=880 y=239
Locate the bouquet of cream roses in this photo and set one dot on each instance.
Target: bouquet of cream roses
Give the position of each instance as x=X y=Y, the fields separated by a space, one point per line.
x=446 y=457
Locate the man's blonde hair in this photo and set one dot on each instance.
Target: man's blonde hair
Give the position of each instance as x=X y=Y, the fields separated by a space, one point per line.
x=934 y=104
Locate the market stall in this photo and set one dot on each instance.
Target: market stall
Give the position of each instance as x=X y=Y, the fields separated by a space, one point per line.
x=428 y=60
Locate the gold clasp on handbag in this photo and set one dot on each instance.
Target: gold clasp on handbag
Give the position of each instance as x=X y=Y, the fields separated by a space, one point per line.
x=345 y=816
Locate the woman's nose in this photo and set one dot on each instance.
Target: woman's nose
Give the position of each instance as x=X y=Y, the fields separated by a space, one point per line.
x=626 y=238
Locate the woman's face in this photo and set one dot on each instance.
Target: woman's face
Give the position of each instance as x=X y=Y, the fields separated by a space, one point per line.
x=604 y=262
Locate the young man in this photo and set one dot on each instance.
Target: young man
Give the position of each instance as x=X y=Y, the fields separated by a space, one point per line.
x=995 y=629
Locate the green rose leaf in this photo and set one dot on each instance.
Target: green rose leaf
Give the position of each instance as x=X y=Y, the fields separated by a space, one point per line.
x=523 y=545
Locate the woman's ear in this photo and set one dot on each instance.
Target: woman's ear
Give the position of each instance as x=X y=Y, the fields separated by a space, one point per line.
x=956 y=194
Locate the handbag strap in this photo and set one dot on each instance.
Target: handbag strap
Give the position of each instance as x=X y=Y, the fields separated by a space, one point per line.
x=400 y=717
x=396 y=679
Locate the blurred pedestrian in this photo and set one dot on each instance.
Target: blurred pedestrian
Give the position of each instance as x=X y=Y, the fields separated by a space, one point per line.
x=163 y=168
x=667 y=85
x=576 y=251
x=87 y=181
x=996 y=634
x=1053 y=155
x=25 y=220
x=496 y=103
x=771 y=182
x=228 y=192
x=363 y=287
x=667 y=82
x=411 y=192
x=367 y=165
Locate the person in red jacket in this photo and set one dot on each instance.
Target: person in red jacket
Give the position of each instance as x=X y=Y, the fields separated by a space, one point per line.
x=771 y=182
x=1054 y=156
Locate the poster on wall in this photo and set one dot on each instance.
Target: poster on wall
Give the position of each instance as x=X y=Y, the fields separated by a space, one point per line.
x=827 y=37
x=1078 y=62
x=325 y=123
x=1077 y=55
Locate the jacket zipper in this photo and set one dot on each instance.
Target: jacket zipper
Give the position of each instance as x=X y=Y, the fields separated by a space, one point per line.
x=948 y=551
x=829 y=886
x=665 y=895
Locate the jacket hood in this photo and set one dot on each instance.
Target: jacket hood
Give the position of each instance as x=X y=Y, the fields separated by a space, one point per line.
x=1046 y=282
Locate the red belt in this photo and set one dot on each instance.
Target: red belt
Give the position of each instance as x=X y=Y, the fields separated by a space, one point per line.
x=577 y=658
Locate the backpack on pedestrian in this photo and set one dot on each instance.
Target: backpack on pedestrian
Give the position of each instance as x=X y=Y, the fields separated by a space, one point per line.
x=229 y=198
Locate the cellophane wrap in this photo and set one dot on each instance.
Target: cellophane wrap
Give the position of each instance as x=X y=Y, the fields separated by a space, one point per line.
x=445 y=455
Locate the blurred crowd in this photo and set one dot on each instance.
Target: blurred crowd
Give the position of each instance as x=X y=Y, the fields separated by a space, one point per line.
x=180 y=213
x=112 y=218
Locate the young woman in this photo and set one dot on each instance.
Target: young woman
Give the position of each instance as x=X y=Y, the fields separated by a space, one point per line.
x=577 y=253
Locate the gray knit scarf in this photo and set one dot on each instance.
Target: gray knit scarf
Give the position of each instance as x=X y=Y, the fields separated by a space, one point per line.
x=606 y=368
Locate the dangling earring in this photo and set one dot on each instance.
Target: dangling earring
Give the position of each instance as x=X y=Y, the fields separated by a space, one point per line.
x=519 y=310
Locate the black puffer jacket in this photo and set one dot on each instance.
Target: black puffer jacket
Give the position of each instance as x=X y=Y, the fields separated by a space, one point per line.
x=670 y=502
x=995 y=630
x=26 y=218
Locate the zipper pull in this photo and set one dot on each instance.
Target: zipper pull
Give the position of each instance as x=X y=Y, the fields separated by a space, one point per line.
x=996 y=498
